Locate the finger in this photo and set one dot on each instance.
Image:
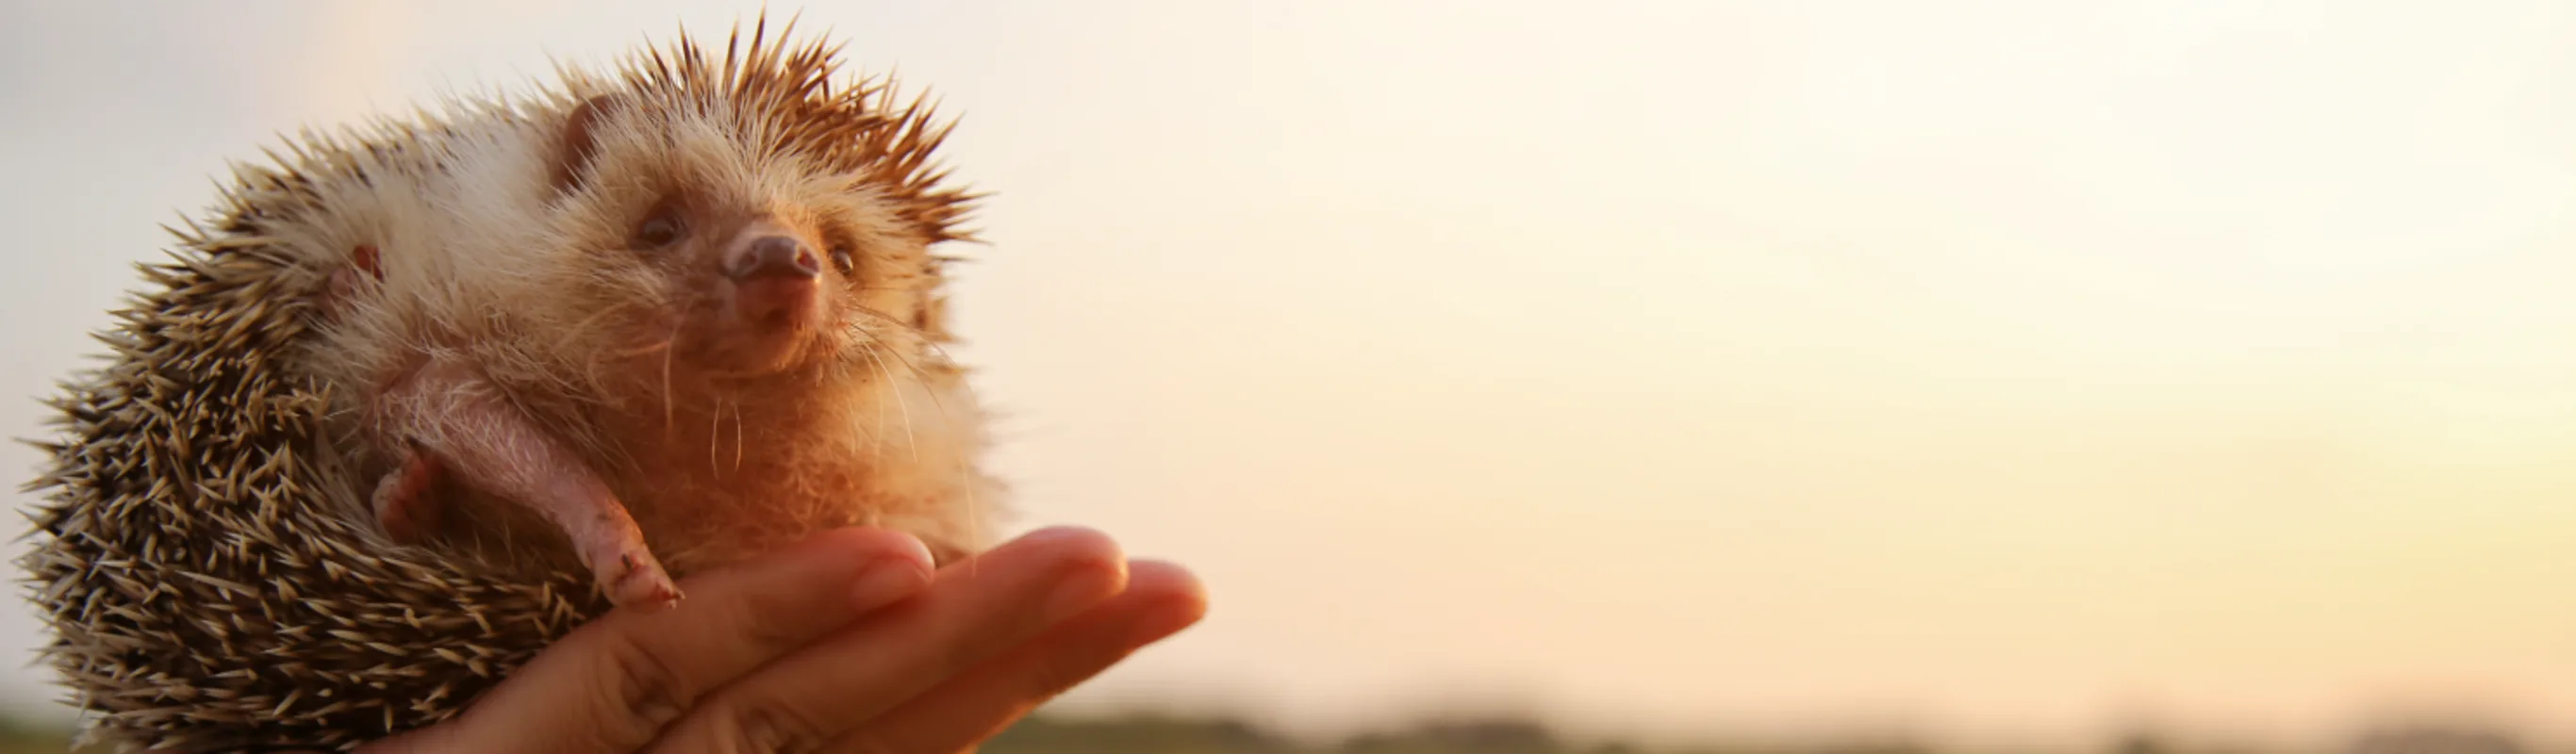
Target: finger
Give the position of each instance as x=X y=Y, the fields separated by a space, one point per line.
x=611 y=686
x=1161 y=599
x=973 y=610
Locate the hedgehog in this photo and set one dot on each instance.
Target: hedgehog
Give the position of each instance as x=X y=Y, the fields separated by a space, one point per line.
x=426 y=393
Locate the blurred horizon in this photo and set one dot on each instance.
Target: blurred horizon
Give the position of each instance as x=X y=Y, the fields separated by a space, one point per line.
x=1144 y=731
x=1999 y=371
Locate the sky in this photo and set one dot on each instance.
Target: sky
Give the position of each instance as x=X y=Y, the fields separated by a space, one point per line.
x=1996 y=371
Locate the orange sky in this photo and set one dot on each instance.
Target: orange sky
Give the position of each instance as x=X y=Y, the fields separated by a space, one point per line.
x=2010 y=370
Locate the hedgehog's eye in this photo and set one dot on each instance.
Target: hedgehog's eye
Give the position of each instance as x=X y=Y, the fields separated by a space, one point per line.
x=662 y=229
x=844 y=259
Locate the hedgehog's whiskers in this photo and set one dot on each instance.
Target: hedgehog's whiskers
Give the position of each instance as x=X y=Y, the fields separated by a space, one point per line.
x=738 y=431
x=670 y=420
x=586 y=330
x=877 y=442
x=966 y=481
x=918 y=337
x=656 y=345
x=894 y=392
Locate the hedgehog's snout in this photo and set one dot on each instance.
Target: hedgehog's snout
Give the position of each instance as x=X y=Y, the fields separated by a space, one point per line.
x=776 y=277
x=773 y=256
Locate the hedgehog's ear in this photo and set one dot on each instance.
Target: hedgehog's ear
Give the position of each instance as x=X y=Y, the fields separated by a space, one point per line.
x=580 y=140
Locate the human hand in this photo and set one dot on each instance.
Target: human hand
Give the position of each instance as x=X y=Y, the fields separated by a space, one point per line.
x=847 y=642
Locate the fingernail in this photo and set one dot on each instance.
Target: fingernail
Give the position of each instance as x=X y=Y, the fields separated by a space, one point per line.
x=920 y=551
x=887 y=580
x=1053 y=534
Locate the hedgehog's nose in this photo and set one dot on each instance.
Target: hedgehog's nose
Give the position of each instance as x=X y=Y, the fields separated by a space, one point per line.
x=774 y=257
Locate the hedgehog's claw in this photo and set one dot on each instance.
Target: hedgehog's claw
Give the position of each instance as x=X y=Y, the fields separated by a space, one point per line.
x=619 y=561
x=637 y=579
